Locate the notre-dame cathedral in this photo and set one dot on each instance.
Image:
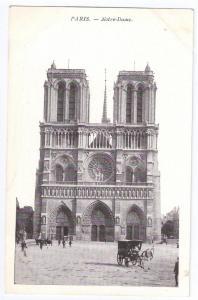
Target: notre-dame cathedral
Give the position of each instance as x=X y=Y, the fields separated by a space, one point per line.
x=98 y=182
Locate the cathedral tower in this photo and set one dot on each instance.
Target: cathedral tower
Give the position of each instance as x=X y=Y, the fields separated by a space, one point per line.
x=134 y=118
x=66 y=98
x=98 y=182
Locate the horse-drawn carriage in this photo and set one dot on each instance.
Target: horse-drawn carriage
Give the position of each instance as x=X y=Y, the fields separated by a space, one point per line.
x=130 y=251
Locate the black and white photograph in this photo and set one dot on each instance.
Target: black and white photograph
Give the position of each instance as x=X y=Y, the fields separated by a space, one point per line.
x=99 y=150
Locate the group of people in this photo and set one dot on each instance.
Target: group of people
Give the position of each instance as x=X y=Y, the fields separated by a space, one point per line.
x=64 y=242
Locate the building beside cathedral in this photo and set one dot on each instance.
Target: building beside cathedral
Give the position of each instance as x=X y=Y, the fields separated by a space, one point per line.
x=98 y=182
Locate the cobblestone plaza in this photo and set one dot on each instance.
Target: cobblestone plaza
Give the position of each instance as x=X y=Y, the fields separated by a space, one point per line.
x=93 y=263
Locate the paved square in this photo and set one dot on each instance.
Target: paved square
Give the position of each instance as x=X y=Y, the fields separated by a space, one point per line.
x=92 y=263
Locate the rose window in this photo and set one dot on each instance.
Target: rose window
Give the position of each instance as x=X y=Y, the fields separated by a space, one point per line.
x=100 y=168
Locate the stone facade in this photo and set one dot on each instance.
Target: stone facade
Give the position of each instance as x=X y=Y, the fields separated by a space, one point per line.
x=98 y=181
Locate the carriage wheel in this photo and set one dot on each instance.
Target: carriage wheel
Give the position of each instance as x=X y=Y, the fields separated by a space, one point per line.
x=119 y=259
x=126 y=261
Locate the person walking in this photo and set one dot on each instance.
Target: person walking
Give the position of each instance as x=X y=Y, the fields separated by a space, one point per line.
x=70 y=242
x=176 y=271
x=59 y=241
x=41 y=244
x=23 y=247
x=63 y=242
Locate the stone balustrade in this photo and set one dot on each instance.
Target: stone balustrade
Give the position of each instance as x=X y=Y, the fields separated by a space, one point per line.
x=99 y=137
x=97 y=192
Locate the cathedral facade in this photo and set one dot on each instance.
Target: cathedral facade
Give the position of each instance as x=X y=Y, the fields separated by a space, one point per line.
x=98 y=182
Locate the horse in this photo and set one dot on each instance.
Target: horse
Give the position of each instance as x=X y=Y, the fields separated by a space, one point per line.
x=147 y=255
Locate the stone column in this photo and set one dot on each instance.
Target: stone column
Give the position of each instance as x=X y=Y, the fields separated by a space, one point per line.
x=81 y=112
x=154 y=101
x=149 y=167
x=48 y=103
x=123 y=105
x=120 y=105
x=146 y=104
x=150 y=105
x=66 y=106
x=135 y=107
x=53 y=106
x=98 y=233
x=156 y=208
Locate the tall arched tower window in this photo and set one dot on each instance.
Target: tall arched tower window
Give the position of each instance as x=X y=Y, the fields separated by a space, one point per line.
x=59 y=173
x=60 y=104
x=72 y=100
x=139 y=104
x=129 y=104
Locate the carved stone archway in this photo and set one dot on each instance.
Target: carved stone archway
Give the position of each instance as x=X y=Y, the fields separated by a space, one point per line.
x=61 y=222
x=135 y=224
x=98 y=222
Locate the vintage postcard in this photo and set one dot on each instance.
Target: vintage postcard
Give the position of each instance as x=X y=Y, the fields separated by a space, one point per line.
x=99 y=151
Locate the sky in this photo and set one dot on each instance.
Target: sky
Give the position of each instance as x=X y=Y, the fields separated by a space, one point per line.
x=163 y=38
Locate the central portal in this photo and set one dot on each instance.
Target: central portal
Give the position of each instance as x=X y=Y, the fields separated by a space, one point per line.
x=98 y=233
x=61 y=231
x=98 y=228
x=100 y=221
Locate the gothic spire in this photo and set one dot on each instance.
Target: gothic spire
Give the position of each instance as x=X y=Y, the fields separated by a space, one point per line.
x=104 y=114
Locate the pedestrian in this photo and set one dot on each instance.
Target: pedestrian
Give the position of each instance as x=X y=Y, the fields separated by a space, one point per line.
x=41 y=244
x=63 y=242
x=176 y=271
x=70 y=242
x=23 y=247
x=59 y=241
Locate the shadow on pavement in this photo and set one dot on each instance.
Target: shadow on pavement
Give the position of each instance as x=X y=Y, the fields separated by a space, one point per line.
x=102 y=264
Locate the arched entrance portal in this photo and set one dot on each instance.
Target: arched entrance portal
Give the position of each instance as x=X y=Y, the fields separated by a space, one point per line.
x=99 y=218
x=64 y=222
x=136 y=228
